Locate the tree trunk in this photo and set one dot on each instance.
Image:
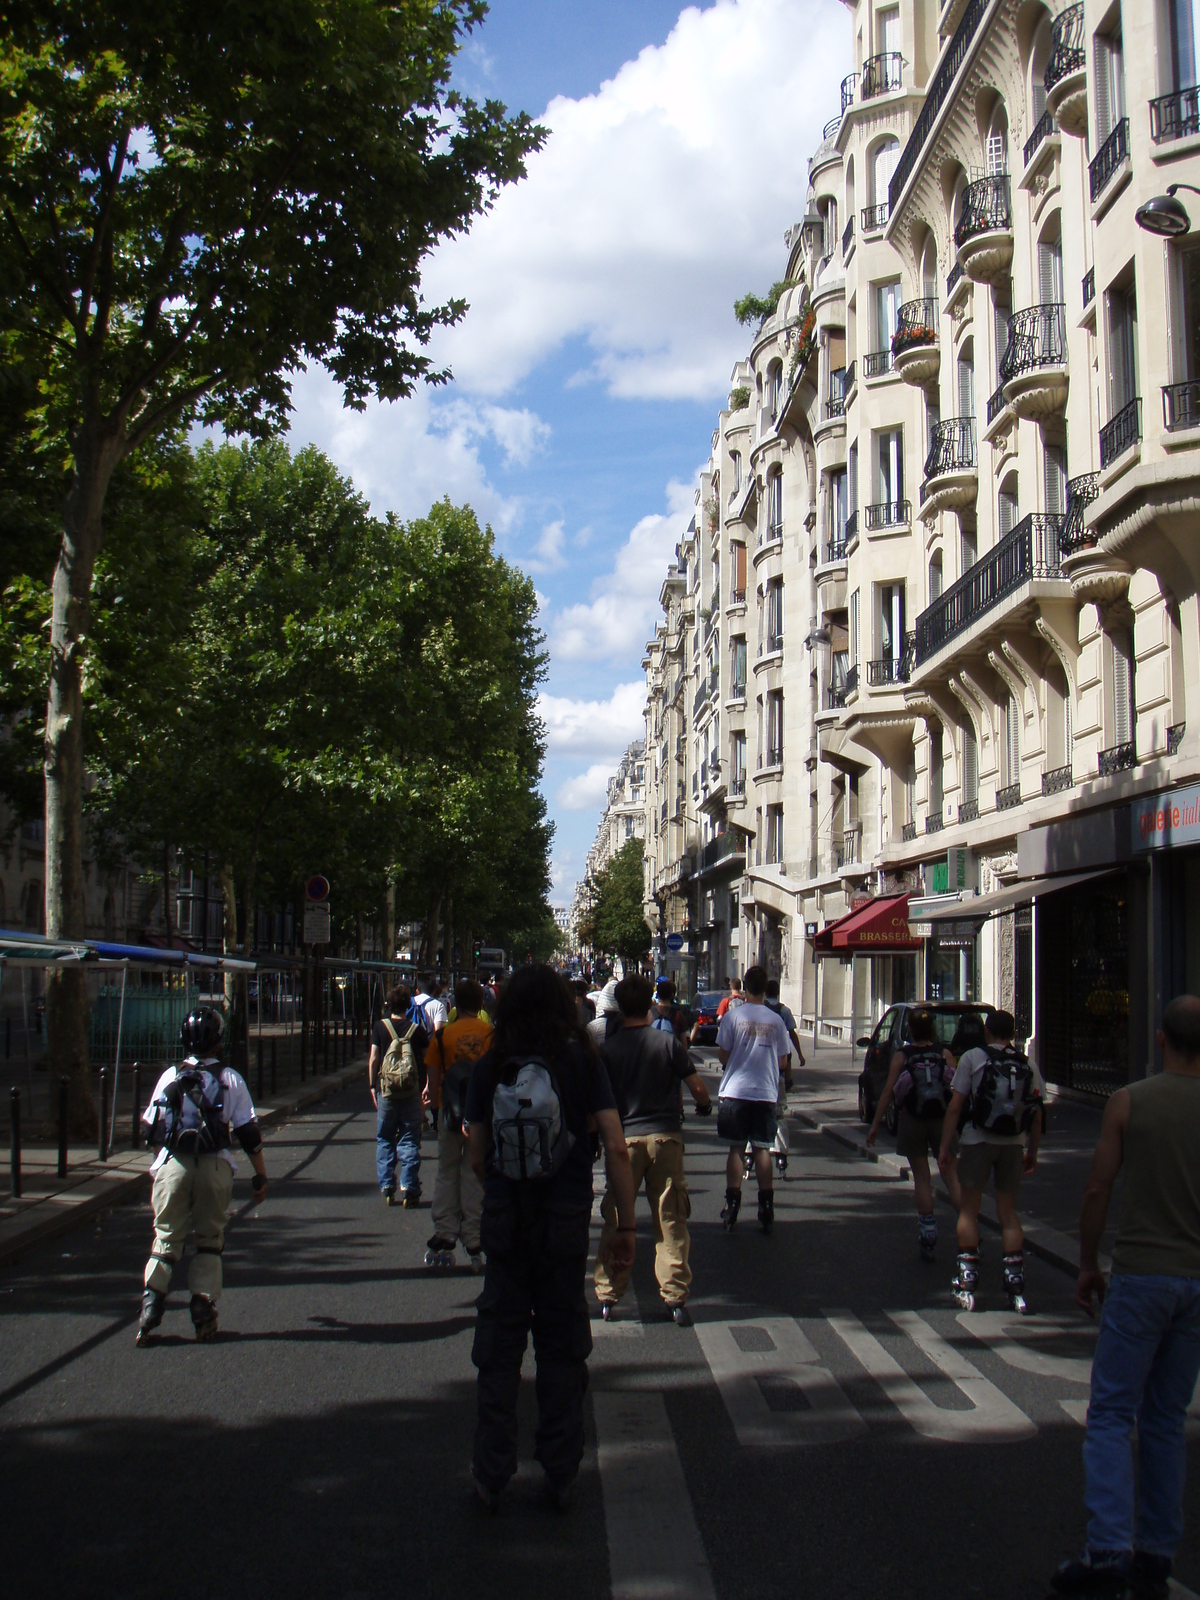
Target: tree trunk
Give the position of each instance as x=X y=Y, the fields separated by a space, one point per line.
x=66 y=991
x=235 y=995
x=389 y=922
x=168 y=911
x=432 y=924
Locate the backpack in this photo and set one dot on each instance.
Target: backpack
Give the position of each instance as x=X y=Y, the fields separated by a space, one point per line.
x=1006 y=1101
x=664 y=1024
x=400 y=1076
x=929 y=1096
x=457 y=1075
x=529 y=1131
x=187 y=1115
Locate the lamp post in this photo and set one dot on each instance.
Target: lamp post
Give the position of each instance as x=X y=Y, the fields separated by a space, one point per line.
x=1164 y=215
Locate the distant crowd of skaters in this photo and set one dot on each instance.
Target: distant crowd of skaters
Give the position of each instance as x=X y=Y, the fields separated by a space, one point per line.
x=527 y=1086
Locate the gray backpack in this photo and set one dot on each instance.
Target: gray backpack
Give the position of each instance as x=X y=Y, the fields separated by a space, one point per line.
x=529 y=1131
x=928 y=1097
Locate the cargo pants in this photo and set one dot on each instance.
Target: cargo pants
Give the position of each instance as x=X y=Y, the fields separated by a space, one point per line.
x=457 y=1192
x=190 y=1192
x=657 y=1161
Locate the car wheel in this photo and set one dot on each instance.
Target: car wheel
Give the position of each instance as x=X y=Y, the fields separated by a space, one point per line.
x=893 y=1117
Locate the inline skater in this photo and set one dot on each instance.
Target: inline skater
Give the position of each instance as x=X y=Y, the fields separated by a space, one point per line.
x=753 y=1047
x=457 y=1193
x=783 y=1143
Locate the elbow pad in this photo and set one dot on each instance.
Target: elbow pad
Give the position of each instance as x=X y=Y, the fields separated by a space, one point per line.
x=249 y=1136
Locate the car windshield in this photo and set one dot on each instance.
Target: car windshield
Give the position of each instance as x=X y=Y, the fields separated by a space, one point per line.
x=710 y=999
x=948 y=1024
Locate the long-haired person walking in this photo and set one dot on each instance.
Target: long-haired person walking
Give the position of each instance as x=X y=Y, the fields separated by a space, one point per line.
x=531 y=1104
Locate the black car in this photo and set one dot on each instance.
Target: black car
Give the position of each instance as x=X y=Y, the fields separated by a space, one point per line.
x=891 y=1034
x=705 y=1012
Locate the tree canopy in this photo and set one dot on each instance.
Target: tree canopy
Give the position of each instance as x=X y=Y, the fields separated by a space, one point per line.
x=615 y=924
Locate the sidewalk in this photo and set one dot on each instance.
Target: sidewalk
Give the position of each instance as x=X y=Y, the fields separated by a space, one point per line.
x=826 y=1097
x=50 y=1205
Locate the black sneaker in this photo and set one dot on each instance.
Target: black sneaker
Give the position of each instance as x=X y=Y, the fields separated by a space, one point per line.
x=154 y=1303
x=1096 y=1572
x=1150 y=1578
x=729 y=1211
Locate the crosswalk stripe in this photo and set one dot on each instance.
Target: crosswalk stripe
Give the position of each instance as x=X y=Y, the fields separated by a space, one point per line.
x=993 y=1417
x=654 y=1547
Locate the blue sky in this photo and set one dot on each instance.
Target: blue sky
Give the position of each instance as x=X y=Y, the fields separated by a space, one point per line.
x=598 y=346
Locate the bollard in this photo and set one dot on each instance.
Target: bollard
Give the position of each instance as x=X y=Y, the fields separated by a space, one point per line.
x=64 y=1107
x=16 y=1143
x=274 y=1064
x=135 y=1123
x=104 y=1113
x=259 y=1085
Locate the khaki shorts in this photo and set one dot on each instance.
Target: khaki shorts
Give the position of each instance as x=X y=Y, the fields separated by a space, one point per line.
x=920 y=1136
x=976 y=1162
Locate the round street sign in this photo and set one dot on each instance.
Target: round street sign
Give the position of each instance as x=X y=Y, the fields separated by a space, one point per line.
x=317 y=887
x=674 y=941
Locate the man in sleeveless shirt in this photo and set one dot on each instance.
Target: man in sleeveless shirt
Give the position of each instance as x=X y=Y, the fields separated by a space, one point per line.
x=1148 y=1353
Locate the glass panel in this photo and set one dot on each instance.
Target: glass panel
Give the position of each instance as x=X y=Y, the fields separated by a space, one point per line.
x=1185 y=28
x=1190 y=263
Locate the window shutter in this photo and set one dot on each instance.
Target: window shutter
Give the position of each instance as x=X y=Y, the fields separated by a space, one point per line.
x=1100 y=78
x=966 y=389
x=1055 y=481
x=970 y=764
x=1122 y=693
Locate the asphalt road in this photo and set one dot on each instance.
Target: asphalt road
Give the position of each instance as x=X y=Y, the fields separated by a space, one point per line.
x=829 y=1426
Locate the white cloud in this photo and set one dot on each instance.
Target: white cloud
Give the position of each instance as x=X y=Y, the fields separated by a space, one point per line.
x=594 y=728
x=548 y=553
x=655 y=202
x=589 y=789
x=623 y=609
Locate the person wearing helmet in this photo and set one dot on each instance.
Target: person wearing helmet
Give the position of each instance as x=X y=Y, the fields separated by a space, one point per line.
x=194 y=1110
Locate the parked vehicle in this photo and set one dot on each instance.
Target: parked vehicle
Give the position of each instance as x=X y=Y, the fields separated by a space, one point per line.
x=705 y=1011
x=891 y=1034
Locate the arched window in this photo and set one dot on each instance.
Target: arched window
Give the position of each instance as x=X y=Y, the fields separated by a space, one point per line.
x=935 y=577
x=774 y=388
x=996 y=153
x=929 y=271
x=1039 y=58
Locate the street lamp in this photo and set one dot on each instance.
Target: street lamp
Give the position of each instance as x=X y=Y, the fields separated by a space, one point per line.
x=1164 y=215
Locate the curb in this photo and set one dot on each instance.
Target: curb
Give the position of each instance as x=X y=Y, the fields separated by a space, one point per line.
x=1053 y=1246
x=114 y=1187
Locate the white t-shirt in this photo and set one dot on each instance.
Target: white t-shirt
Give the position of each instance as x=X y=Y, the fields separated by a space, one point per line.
x=757 y=1041
x=968 y=1075
x=436 y=1013
x=236 y=1104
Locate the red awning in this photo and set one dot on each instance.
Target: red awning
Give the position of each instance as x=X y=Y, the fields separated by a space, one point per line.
x=878 y=928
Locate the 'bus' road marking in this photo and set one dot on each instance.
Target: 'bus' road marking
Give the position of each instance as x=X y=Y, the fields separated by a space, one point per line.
x=739 y=1374
x=993 y=1417
x=654 y=1547
x=991 y=1328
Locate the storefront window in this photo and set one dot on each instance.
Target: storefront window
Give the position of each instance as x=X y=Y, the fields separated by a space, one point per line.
x=1083 y=985
x=952 y=963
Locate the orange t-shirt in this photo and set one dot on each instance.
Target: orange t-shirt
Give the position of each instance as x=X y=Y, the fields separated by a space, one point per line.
x=466 y=1039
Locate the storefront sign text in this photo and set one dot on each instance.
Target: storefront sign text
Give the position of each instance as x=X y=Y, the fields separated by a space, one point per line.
x=1164 y=820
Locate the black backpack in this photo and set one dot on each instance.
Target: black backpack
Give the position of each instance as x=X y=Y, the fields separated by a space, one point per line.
x=188 y=1114
x=1007 y=1099
x=929 y=1096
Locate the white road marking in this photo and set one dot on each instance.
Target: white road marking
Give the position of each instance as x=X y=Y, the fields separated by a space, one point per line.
x=1076 y=1410
x=992 y=1328
x=739 y=1374
x=993 y=1417
x=654 y=1547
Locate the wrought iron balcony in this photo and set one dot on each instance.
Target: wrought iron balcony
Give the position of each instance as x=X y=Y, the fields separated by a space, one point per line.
x=775 y=755
x=996 y=403
x=1066 y=51
x=1173 y=116
x=889 y=514
x=852 y=679
x=1080 y=494
x=851 y=846
x=852 y=526
x=830 y=128
x=1124 y=430
x=916 y=326
x=722 y=847
x=737 y=689
x=835 y=696
x=737 y=597
x=874 y=218
x=1037 y=337
x=1008 y=797
x=951 y=447
x=835 y=404
x=848 y=91
x=848 y=235
x=1181 y=405
x=969 y=811
x=908 y=832
x=1089 y=287
x=936 y=94
x=934 y=822
x=850 y=379
x=1117 y=758
x=835 y=551
x=892 y=669
x=953 y=278
x=986 y=208
x=1031 y=550
x=1175 y=735
x=877 y=362
x=1108 y=158
x=881 y=74
x=1043 y=129
x=1059 y=779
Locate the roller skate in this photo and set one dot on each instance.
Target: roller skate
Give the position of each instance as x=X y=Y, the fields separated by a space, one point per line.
x=1013 y=1267
x=204 y=1318
x=154 y=1303
x=927 y=1236
x=389 y=1196
x=440 y=1252
x=410 y=1199
x=477 y=1263
x=766 y=1212
x=729 y=1211
x=781 y=1163
x=1097 y=1572
x=967 y=1280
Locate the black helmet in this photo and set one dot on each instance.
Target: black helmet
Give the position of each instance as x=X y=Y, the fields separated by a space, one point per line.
x=202 y=1030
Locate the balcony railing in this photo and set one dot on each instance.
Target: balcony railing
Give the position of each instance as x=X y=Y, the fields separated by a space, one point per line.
x=835 y=696
x=953 y=278
x=1173 y=116
x=1031 y=550
x=848 y=235
x=1059 y=779
x=935 y=96
x=1124 y=430
x=835 y=404
x=1008 y=797
x=986 y=207
x=850 y=379
x=969 y=811
x=1089 y=287
x=852 y=526
x=851 y=846
x=1175 y=735
x=1108 y=158
x=996 y=403
x=737 y=784
x=852 y=679
x=881 y=74
x=847 y=91
x=951 y=447
x=874 y=217
x=737 y=689
x=718 y=849
x=699 y=700
x=1066 y=51
x=877 y=362
x=830 y=128
x=835 y=550
x=775 y=755
x=1080 y=494
x=1117 y=758
x=908 y=832
x=1037 y=337
x=1043 y=130
x=916 y=326
x=1181 y=405
x=892 y=669
x=737 y=597
x=774 y=643
x=934 y=822
x=889 y=514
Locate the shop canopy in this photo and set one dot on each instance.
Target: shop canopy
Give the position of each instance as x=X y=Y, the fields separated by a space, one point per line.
x=878 y=928
x=980 y=907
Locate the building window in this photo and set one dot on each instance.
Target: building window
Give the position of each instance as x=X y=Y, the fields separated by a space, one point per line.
x=775 y=728
x=735 y=467
x=935 y=577
x=1109 y=83
x=1120 y=650
x=837 y=510
x=935 y=771
x=852 y=476
x=1011 y=747
x=854 y=628
x=1007 y=508
x=1122 y=346
x=891 y=623
x=970 y=773
x=737 y=762
x=889 y=464
x=775 y=614
x=775 y=505
x=1185 y=30
x=737 y=667
x=774 y=835
x=887 y=302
